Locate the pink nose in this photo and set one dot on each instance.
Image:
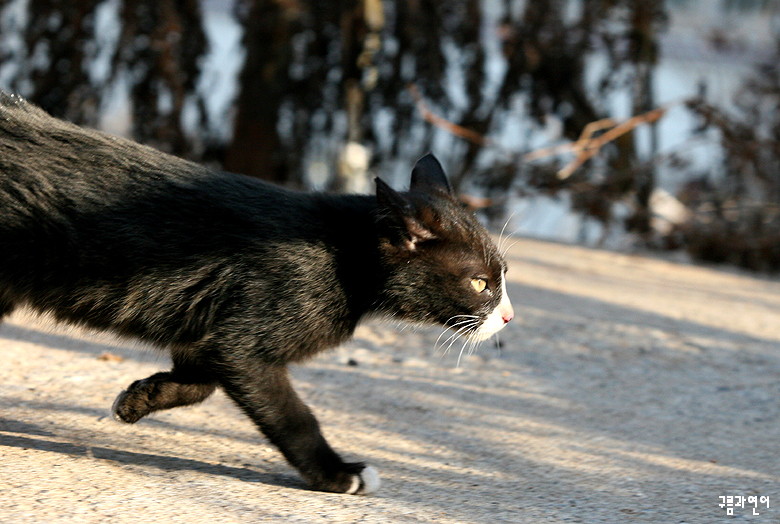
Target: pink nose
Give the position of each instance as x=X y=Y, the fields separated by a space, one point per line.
x=508 y=316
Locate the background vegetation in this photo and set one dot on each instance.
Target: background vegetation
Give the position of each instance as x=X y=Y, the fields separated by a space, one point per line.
x=355 y=87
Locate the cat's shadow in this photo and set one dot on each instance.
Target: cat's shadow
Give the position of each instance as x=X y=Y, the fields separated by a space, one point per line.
x=49 y=337
x=13 y=434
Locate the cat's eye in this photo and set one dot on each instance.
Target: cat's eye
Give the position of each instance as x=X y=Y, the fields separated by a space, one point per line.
x=479 y=284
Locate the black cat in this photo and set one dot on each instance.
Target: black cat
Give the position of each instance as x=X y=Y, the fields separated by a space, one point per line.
x=235 y=277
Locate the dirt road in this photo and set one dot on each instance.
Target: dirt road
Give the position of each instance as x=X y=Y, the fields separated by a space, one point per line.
x=628 y=390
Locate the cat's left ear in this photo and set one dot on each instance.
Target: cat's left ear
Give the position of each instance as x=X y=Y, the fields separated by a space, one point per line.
x=428 y=176
x=396 y=214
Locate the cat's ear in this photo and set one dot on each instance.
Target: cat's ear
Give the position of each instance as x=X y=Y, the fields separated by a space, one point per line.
x=396 y=215
x=428 y=176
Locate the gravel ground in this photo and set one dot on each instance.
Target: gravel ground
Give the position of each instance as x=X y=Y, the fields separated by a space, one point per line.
x=629 y=389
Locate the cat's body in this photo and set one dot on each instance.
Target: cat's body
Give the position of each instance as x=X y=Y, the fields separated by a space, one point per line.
x=235 y=277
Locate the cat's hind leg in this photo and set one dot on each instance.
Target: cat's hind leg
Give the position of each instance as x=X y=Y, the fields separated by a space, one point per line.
x=265 y=394
x=182 y=386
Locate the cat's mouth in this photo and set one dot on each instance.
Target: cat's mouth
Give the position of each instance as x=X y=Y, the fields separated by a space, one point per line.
x=495 y=322
x=476 y=329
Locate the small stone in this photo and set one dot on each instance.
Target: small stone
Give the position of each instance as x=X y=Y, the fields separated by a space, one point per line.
x=110 y=357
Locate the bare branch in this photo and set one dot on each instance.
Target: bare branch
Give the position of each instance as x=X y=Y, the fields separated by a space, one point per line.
x=443 y=123
x=584 y=148
x=587 y=148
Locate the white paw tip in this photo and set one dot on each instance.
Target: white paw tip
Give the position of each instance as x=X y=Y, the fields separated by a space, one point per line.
x=371 y=480
x=366 y=482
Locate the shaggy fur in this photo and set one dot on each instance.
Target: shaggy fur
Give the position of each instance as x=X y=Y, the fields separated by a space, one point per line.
x=233 y=276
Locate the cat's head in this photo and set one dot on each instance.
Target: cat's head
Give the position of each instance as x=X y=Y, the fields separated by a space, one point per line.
x=442 y=265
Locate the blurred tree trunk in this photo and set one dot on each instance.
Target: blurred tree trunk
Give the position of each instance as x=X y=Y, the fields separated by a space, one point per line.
x=477 y=116
x=644 y=18
x=546 y=59
x=158 y=51
x=160 y=46
x=357 y=28
x=61 y=31
x=256 y=148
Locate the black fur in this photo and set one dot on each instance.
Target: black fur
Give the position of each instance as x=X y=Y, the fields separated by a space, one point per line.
x=234 y=276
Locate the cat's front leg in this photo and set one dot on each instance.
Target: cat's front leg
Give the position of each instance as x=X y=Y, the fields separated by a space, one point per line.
x=266 y=395
x=182 y=386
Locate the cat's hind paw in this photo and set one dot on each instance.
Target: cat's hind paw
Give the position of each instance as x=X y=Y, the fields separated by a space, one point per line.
x=365 y=482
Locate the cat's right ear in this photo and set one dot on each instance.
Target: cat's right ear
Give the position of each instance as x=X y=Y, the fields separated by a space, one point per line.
x=396 y=216
x=428 y=176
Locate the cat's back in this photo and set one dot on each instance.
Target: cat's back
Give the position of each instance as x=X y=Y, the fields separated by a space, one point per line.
x=72 y=195
x=64 y=159
x=92 y=224
x=55 y=171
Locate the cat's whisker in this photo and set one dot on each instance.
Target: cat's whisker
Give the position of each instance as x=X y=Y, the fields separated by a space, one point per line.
x=501 y=238
x=448 y=350
x=474 y=345
x=461 y=322
x=454 y=336
x=462 y=316
x=505 y=249
x=467 y=330
x=470 y=346
x=436 y=344
x=454 y=317
x=460 y=355
x=468 y=318
x=510 y=246
x=447 y=329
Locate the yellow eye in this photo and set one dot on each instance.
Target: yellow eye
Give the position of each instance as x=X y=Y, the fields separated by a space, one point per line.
x=478 y=284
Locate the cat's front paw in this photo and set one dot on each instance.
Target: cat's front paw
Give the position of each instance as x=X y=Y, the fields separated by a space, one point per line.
x=365 y=482
x=353 y=479
x=127 y=408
